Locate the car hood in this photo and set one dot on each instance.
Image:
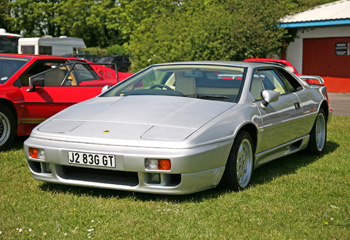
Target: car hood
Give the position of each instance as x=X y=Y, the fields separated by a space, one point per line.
x=133 y=119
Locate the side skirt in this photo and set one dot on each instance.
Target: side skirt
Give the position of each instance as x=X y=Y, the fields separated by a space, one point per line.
x=281 y=151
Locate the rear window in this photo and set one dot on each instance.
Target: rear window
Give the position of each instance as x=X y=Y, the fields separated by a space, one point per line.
x=106 y=60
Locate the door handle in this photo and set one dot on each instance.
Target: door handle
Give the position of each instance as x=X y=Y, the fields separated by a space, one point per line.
x=297 y=105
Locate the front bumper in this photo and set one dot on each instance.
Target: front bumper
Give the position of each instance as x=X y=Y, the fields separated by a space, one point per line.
x=192 y=170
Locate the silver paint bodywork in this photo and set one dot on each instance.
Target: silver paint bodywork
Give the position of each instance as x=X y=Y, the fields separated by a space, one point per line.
x=195 y=134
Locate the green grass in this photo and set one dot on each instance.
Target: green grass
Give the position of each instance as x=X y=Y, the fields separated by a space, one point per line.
x=296 y=197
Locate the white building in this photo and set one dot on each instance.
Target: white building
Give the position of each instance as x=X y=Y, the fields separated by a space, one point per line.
x=322 y=46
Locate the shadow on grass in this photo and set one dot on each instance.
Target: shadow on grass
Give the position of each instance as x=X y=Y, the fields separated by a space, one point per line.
x=288 y=165
x=280 y=167
x=135 y=196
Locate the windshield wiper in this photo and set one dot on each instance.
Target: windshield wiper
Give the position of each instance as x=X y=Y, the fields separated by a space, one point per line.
x=214 y=97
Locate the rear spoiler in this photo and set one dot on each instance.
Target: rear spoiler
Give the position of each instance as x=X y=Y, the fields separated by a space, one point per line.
x=307 y=78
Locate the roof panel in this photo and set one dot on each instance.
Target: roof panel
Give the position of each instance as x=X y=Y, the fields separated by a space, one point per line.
x=330 y=11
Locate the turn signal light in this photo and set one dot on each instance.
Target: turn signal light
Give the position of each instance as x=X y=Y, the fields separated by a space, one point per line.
x=36 y=153
x=33 y=152
x=164 y=164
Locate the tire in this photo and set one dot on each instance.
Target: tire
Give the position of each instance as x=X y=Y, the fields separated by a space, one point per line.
x=318 y=134
x=239 y=166
x=7 y=127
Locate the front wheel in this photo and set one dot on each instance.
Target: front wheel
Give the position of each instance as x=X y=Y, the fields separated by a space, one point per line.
x=318 y=134
x=7 y=127
x=239 y=166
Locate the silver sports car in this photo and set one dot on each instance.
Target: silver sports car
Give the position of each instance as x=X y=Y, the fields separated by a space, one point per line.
x=179 y=128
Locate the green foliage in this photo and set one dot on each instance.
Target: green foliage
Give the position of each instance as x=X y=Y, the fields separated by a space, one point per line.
x=87 y=19
x=4 y=12
x=139 y=14
x=209 y=31
x=116 y=50
x=109 y=51
x=96 y=51
x=32 y=17
x=160 y=30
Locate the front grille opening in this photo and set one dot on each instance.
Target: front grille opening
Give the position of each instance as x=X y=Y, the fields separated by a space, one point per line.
x=35 y=166
x=170 y=180
x=174 y=179
x=99 y=175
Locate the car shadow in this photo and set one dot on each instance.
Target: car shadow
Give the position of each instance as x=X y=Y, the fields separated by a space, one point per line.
x=270 y=171
x=288 y=165
x=17 y=144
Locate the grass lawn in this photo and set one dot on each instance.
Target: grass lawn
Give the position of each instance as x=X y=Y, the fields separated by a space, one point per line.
x=296 y=197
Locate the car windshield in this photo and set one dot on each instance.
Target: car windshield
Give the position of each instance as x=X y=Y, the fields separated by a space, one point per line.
x=9 y=66
x=212 y=82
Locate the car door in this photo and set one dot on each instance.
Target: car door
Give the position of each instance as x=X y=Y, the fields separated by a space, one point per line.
x=309 y=104
x=62 y=86
x=280 y=118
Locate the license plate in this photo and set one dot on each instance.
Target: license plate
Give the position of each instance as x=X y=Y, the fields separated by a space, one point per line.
x=91 y=159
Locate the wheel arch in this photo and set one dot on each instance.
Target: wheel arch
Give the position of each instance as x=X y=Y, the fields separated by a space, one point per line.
x=253 y=132
x=10 y=106
x=9 y=132
x=324 y=105
x=227 y=180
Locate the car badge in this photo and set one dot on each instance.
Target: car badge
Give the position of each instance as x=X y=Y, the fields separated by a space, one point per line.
x=106 y=131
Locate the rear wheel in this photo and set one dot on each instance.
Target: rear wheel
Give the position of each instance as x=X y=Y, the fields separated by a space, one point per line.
x=7 y=127
x=318 y=134
x=239 y=166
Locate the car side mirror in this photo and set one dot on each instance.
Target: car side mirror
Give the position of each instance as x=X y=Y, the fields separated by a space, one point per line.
x=269 y=96
x=105 y=88
x=36 y=81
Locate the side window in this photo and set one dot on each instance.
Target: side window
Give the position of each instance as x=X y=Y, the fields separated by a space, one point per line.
x=58 y=77
x=256 y=87
x=37 y=67
x=84 y=73
x=272 y=81
x=292 y=84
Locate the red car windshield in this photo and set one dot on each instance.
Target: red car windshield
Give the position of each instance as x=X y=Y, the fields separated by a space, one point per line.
x=9 y=66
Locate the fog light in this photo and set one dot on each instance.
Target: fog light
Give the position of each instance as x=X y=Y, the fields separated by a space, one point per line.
x=152 y=164
x=37 y=153
x=153 y=178
x=46 y=168
x=158 y=164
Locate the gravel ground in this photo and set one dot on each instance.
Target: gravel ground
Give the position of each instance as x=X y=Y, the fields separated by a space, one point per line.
x=340 y=103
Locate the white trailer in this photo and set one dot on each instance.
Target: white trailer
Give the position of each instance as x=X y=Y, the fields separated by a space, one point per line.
x=8 y=41
x=48 y=45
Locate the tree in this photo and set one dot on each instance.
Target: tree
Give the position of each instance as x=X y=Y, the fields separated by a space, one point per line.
x=134 y=15
x=4 y=13
x=207 y=30
x=87 y=19
x=160 y=30
x=33 y=17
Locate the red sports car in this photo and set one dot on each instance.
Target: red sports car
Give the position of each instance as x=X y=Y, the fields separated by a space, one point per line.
x=310 y=79
x=35 y=87
x=285 y=63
